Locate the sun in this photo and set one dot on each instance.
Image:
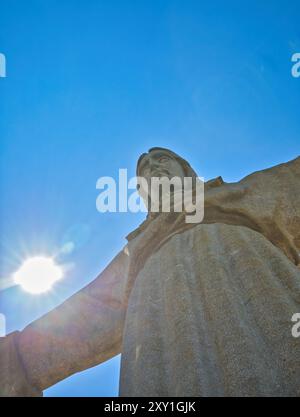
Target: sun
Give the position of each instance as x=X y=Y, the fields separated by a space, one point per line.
x=38 y=274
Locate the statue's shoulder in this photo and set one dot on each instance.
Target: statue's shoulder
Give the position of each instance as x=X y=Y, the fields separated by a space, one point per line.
x=292 y=166
x=215 y=182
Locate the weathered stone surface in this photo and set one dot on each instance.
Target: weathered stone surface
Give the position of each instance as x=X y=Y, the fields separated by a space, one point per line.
x=198 y=310
x=210 y=315
x=13 y=378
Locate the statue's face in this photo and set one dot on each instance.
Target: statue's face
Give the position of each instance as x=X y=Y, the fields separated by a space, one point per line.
x=158 y=163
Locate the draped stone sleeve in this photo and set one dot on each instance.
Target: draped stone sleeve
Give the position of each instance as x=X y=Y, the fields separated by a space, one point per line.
x=267 y=201
x=82 y=332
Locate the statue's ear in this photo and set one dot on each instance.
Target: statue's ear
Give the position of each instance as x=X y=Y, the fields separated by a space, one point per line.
x=215 y=182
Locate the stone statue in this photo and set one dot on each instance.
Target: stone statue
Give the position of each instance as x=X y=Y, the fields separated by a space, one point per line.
x=195 y=309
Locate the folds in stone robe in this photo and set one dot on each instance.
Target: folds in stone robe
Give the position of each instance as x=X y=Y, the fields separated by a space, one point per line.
x=198 y=310
x=210 y=314
x=210 y=310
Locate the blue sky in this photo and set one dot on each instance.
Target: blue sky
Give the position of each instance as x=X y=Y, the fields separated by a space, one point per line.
x=92 y=85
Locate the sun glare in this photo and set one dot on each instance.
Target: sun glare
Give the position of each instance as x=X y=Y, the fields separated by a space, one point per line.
x=38 y=274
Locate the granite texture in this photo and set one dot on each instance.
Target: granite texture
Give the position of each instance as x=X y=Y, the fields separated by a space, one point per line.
x=202 y=309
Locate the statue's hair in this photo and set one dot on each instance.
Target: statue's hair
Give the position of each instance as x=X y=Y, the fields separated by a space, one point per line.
x=188 y=170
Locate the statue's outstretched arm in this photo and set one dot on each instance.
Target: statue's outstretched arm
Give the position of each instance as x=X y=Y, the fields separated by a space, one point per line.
x=82 y=332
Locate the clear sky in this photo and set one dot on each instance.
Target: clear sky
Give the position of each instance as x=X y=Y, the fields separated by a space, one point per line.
x=92 y=84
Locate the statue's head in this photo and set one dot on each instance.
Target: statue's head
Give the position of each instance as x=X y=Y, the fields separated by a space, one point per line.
x=161 y=162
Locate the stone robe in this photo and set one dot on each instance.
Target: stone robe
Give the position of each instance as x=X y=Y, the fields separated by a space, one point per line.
x=196 y=310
